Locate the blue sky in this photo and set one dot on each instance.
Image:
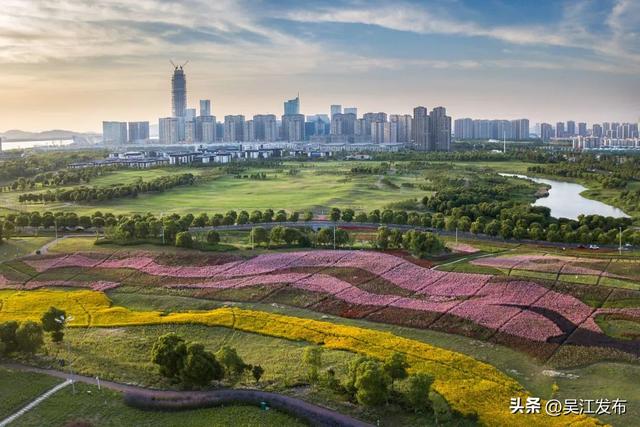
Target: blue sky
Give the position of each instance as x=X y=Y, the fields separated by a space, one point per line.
x=74 y=63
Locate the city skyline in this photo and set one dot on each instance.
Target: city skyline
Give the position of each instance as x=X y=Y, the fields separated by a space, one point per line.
x=479 y=59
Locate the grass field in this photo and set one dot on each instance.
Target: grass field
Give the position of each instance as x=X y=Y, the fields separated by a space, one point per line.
x=106 y=408
x=19 y=388
x=21 y=246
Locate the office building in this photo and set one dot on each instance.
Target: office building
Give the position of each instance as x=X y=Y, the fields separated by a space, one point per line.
x=114 y=132
x=234 y=128
x=335 y=109
x=190 y=114
x=178 y=92
x=169 y=130
x=138 y=131
x=205 y=107
x=292 y=106
x=351 y=110
x=293 y=127
x=343 y=124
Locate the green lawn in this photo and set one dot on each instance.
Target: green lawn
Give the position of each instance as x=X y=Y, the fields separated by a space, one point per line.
x=106 y=408
x=20 y=246
x=17 y=389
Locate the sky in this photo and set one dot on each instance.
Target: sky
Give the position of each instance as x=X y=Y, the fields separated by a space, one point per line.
x=70 y=64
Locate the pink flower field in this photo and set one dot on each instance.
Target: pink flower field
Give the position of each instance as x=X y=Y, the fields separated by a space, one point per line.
x=516 y=308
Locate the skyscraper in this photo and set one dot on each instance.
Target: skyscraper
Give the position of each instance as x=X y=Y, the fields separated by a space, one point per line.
x=440 y=130
x=335 y=109
x=234 y=128
x=293 y=127
x=138 y=131
x=582 y=129
x=402 y=129
x=546 y=132
x=351 y=110
x=420 y=129
x=169 y=130
x=571 y=128
x=343 y=124
x=178 y=92
x=560 y=133
x=205 y=107
x=292 y=106
x=114 y=132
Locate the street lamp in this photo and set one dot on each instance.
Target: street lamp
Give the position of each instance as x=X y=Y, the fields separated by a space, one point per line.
x=63 y=320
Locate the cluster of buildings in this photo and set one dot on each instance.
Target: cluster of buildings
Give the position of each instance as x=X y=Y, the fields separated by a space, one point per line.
x=513 y=130
x=424 y=131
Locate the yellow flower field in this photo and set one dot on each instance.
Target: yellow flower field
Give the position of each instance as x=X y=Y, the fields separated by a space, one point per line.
x=470 y=386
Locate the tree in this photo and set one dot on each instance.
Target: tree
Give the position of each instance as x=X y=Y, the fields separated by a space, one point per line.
x=201 y=220
x=417 y=394
x=259 y=235
x=361 y=217
x=255 y=217
x=371 y=384
x=395 y=366
x=168 y=352
x=334 y=215
x=1 y=232
x=257 y=372
x=347 y=215
x=29 y=337
x=312 y=357
x=308 y=216
x=199 y=366
x=441 y=408
x=184 y=239
x=53 y=322
x=232 y=363
x=281 y=216
x=294 y=217
x=277 y=234
x=213 y=238
x=382 y=237
x=243 y=217
x=290 y=235
x=8 y=336
x=325 y=236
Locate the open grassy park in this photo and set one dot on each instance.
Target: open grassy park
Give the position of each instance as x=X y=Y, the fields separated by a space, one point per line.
x=315 y=186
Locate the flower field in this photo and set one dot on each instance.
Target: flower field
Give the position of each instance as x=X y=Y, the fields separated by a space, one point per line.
x=526 y=314
x=470 y=386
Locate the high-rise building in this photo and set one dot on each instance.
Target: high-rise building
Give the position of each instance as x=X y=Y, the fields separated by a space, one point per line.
x=293 y=127
x=205 y=107
x=190 y=114
x=292 y=106
x=546 y=132
x=114 y=132
x=596 y=130
x=138 y=131
x=582 y=129
x=234 y=128
x=420 y=129
x=571 y=128
x=560 y=132
x=351 y=110
x=206 y=129
x=463 y=128
x=369 y=119
x=335 y=109
x=481 y=129
x=440 y=130
x=401 y=132
x=169 y=130
x=520 y=129
x=500 y=129
x=265 y=128
x=381 y=132
x=178 y=92
x=343 y=124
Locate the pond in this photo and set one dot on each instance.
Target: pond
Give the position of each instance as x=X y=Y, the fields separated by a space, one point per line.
x=565 y=200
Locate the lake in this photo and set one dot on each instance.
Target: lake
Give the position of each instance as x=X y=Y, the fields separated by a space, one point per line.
x=565 y=200
x=13 y=145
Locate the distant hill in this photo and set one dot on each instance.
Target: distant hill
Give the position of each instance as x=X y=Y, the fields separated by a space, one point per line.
x=21 y=135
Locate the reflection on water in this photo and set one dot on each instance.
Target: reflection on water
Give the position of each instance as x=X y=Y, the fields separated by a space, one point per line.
x=565 y=200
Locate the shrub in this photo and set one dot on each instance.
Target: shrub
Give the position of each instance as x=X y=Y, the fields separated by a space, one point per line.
x=312 y=357
x=29 y=337
x=168 y=352
x=199 y=366
x=395 y=366
x=417 y=394
x=371 y=383
x=257 y=372
x=8 y=336
x=213 y=237
x=232 y=363
x=184 y=240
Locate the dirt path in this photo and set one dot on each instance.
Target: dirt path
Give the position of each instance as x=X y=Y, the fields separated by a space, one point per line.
x=314 y=414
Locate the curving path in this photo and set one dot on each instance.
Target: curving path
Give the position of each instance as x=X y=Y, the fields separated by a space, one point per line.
x=145 y=398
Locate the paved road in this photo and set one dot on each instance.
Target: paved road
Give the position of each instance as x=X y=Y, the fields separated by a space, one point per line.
x=314 y=414
x=34 y=403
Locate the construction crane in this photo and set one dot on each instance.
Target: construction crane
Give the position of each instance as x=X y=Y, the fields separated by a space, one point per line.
x=178 y=66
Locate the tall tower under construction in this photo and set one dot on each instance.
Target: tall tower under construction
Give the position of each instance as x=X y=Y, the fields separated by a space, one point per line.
x=178 y=92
